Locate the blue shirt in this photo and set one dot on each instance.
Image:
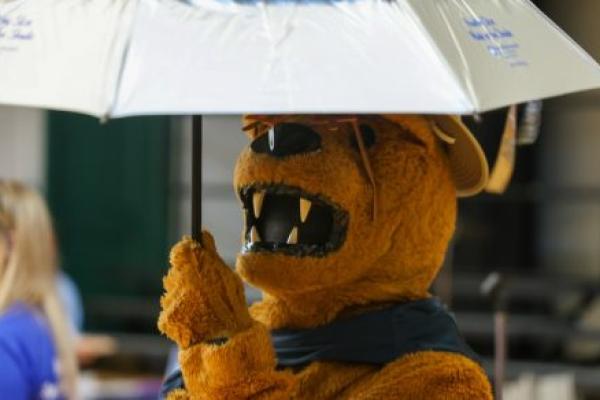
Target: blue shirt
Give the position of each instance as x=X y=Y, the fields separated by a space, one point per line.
x=28 y=360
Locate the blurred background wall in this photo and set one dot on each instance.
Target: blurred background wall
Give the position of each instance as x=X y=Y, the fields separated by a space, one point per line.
x=569 y=166
x=23 y=145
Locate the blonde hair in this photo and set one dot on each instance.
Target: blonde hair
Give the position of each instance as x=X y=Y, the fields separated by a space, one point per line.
x=29 y=274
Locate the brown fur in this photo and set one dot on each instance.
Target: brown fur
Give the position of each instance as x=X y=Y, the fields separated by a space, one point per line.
x=391 y=257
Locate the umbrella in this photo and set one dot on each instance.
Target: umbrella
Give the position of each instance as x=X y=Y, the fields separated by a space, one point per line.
x=113 y=58
x=116 y=58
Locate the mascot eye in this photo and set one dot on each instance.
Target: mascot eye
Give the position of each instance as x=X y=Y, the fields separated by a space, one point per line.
x=368 y=136
x=287 y=139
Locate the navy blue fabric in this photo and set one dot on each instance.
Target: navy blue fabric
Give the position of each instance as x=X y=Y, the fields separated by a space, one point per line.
x=174 y=381
x=377 y=337
x=27 y=356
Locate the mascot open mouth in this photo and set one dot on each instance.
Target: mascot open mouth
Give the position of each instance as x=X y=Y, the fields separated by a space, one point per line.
x=286 y=219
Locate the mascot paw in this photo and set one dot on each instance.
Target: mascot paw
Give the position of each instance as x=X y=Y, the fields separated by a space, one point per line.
x=204 y=299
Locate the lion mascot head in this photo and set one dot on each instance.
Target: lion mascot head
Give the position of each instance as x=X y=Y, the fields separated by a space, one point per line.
x=345 y=212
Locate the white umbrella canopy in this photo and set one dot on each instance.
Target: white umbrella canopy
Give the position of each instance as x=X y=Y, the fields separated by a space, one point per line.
x=63 y=54
x=114 y=58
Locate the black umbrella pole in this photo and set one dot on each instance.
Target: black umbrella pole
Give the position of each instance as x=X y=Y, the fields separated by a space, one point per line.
x=197 y=178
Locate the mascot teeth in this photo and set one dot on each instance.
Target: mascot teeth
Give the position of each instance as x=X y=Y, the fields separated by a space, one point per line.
x=254 y=236
x=257 y=202
x=305 y=206
x=293 y=238
x=286 y=219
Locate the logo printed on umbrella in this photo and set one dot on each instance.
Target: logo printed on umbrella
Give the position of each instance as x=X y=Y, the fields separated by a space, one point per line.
x=479 y=22
x=14 y=30
x=500 y=42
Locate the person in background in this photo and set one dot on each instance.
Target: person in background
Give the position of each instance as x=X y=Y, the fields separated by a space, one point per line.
x=69 y=294
x=37 y=358
x=88 y=347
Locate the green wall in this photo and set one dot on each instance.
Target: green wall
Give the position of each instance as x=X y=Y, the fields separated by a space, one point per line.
x=108 y=191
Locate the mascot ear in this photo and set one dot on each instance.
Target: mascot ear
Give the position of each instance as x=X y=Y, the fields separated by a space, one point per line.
x=468 y=164
x=250 y=127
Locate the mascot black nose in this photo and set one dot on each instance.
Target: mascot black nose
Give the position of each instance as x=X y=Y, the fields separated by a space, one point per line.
x=287 y=139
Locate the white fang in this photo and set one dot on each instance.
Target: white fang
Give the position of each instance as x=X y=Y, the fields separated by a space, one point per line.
x=305 y=206
x=293 y=238
x=257 y=202
x=254 y=236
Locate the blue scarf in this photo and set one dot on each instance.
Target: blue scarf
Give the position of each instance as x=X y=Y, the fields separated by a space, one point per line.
x=377 y=337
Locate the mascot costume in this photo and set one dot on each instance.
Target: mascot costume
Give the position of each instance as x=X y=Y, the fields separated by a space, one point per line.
x=347 y=222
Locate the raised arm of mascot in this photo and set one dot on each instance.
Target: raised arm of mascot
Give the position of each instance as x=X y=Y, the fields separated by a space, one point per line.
x=347 y=222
